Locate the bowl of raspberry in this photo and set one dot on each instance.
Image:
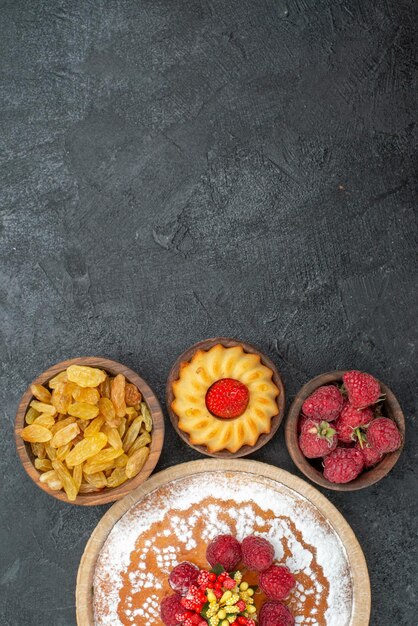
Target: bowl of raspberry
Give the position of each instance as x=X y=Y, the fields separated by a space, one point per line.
x=345 y=430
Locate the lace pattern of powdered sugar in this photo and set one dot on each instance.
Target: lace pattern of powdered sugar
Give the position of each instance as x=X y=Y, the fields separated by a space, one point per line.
x=268 y=495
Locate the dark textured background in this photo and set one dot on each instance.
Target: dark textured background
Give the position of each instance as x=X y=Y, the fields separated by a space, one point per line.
x=174 y=170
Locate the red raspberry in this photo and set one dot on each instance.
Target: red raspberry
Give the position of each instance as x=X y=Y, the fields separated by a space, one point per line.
x=343 y=465
x=182 y=576
x=362 y=389
x=170 y=607
x=317 y=439
x=383 y=435
x=257 y=553
x=276 y=582
x=224 y=550
x=241 y=605
x=275 y=614
x=325 y=403
x=227 y=398
x=370 y=455
x=350 y=419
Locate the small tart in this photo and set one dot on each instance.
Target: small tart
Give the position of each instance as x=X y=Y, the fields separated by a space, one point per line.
x=196 y=377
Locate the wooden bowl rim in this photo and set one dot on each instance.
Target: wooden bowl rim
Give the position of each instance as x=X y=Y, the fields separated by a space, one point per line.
x=369 y=477
x=108 y=494
x=227 y=342
x=360 y=577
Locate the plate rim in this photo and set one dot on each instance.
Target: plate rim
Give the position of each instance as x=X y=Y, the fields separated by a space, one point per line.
x=356 y=559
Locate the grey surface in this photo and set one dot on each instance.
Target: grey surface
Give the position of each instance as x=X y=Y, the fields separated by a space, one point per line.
x=178 y=170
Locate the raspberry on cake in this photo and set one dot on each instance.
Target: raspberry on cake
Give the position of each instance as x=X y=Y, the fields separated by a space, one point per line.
x=257 y=553
x=275 y=614
x=276 y=582
x=224 y=550
x=224 y=398
x=183 y=576
x=169 y=608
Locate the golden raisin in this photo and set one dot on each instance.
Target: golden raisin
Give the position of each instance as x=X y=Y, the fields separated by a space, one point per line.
x=78 y=475
x=104 y=388
x=62 y=451
x=62 y=424
x=132 y=433
x=85 y=376
x=43 y=465
x=85 y=449
x=141 y=441
x=38 y=450
x=94 y=426
x=147 y=417
x=90 y=395
x=97 y=479
x=117 y=477
x=117 y=395
x=108 y=411
x=83 y=410
x=102 y=460
x=64 y=435
x=35 y=433
x=31 y=416
x=113 y=436
x=66 y=479
x=41 y=393
x=41 y=407
x=136 y=462
x=59 y=378
x=45 y=420
x=61 y=397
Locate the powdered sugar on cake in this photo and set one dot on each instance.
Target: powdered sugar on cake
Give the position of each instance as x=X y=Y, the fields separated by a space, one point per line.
x=176 y=522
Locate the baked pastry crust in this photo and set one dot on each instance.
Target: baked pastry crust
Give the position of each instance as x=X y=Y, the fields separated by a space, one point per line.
x=195 y=378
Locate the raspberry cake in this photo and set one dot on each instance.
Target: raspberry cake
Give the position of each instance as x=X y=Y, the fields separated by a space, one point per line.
x=224 y=398
x=175 y=523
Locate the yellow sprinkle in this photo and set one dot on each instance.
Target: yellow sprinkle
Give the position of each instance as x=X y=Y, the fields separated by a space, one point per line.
x=243 y=586
x=222 y=614
x=250 y=608
x=250 y=592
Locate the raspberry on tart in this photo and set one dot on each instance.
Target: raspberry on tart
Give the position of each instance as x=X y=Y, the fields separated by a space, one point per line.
x=224 y=398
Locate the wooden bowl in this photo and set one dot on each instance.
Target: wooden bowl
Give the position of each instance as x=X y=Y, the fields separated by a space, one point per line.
x=106 y=495
x=390 y=409
x=227 y=343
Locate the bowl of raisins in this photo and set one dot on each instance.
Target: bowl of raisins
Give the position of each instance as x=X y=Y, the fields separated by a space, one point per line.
x=89 y=430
